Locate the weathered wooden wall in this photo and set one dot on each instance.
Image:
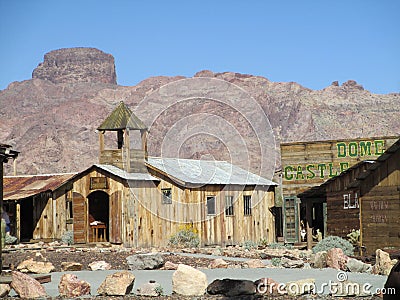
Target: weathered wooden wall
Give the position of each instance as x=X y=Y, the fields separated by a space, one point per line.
x=381 y=206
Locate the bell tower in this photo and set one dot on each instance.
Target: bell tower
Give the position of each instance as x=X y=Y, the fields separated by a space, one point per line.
x=130 y=151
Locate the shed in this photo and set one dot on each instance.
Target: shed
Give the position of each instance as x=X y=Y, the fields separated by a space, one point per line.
x=36 y=205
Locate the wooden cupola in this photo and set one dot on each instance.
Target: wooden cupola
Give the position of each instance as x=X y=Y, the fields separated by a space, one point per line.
x=130 y=152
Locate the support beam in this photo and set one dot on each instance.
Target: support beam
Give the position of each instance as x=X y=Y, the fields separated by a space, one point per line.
x=309 y=206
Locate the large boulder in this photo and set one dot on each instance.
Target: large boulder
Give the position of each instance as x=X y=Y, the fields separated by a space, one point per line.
x=117 y=284
x=170 y=266
x=26 y=286
x=318 y=260
x=71 y=266
x=254 y=263
x=188 y=281
x=383 y=263
x=393 y=283
x=147 y=261
x=357 y=266
x=70 y=286
x=218 y=263
x=100 y=265
x=291 y=264
x=336 y=259
x=300 y=287
x=232 y=287
x=4 y=290
x=37 y=267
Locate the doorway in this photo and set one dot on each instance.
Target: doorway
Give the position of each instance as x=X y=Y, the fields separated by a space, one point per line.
x=99 y=206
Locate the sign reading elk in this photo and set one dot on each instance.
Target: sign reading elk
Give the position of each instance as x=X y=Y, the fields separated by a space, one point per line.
x=326 y=170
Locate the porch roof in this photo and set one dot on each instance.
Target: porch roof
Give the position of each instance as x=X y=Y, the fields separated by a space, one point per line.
x=24 y=186
x=125 y=175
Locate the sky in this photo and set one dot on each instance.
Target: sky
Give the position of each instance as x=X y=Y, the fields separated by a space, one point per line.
x=310 y=42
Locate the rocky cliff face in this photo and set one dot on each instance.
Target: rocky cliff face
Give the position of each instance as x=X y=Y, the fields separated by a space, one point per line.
x=77 y=65
x=52 y=118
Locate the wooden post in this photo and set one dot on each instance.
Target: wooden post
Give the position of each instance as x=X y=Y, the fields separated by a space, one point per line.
x=309 y=206
x=127 y=150
x=18 y=221
x=143 y=134
x=15 y=167
x=361 y=228
x=1 y=211
x=101 y=143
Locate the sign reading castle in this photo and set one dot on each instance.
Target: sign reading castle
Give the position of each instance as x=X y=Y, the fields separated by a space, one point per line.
x=307 y=164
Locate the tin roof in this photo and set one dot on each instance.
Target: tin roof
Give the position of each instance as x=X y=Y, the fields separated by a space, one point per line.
x=20 y=187
x=190 y=171
x=125 y=175
x=122 y=118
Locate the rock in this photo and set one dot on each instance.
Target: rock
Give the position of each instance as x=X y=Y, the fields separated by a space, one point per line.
x=383 y=263
x=255 y=263
x=300 y=287
x=336 y=259
x=150 y=289
x=231 y=287
x=77 y=65
x=355 y=265
x=319 y=260
x=288 y=263
x=4 y=290
x=71 y=266
x=217 y=251
x=37 y=267
x=170 y=266
x=71 y=286
x=268 y=286
x=393 y=283
x=117 y=284
x=26 y=287
x=99 y=265
x=218 y=263
x=188 y=281
x=148 y=261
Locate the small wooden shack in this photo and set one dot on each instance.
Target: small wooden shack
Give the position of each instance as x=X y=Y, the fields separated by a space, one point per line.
x=141 y=201
x=365 y=197
x=36 y=205
x=310 y=164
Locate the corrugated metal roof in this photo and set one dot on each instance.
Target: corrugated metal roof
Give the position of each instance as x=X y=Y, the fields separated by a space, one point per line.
x=206 y=172
x=20 y=187
x=125 y=175
x=121 y=118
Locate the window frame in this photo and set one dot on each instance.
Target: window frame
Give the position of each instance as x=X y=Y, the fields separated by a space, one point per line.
x=166 y=199
x=247 y=208
x=213 y=213
x=229 y=207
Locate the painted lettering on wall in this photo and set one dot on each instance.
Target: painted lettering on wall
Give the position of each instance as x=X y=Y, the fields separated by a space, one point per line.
x=379 y=206
x=350 y=202
x=328 y=170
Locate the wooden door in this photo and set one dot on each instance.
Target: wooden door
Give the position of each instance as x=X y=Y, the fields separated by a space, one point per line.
x=290 y=219
x=79 y=217
x=115 y=221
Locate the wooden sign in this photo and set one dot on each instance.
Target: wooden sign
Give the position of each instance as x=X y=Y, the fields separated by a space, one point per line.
x=97 y=183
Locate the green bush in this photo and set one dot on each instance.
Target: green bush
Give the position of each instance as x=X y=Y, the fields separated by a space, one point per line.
x=280 y=246
x=276 y=261
x=248 y=245
x=68 y=238
x=186 y=237
x=334 y=242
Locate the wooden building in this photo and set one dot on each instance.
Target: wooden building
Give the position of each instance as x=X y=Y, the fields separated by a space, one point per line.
x=309 y=164
x=141 y=201
x=365 y=197
x=36 y=205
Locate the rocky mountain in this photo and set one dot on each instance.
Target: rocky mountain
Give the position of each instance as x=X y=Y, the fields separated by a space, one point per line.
x=52 y=118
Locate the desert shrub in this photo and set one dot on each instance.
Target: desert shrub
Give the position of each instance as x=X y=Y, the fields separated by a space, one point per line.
x=276 y=261
x=248 y=245
x=354 y=237
x=68 y=238
x=9 y=239
x=334 y=242
x=186 y=237
x=280 y=246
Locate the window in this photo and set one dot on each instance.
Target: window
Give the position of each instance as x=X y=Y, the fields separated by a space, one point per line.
x=247 y=205
x=166 y=196
x=211 y=205
x=229 y=205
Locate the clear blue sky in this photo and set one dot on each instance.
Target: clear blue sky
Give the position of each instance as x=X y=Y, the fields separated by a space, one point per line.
x=310 y=42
